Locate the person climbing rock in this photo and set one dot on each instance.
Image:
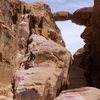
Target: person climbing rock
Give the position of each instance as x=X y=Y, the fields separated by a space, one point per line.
x=29 y=61
x=31 y=38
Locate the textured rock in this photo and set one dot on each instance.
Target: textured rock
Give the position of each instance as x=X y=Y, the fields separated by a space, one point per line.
x=41 y=19
x=49 y=74
x=91 y=37
x=95 y=71
x=82 y=16
x=78 y=58
x=61 y=16
x=25 y=28
x=89 y=17
x=84 y=93
x=8 y=49
x=77 y=77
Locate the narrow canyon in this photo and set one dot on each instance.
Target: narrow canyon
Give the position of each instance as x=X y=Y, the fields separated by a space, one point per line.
x=34 y=62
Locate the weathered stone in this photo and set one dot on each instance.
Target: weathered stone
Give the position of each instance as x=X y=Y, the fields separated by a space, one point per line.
x=84 y=93
x=91 y=37
x=82 y=16
x=88 y=35
x=8 y=50
x=77 y=77
x=78 y=58
x=62 y=16
x=26 y=28
x=18 y=22
x=49 y=74
x=95 y=70
x=41 y=19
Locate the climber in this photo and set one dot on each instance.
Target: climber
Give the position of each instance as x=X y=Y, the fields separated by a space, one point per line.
x=31 y=37
x=29 y=62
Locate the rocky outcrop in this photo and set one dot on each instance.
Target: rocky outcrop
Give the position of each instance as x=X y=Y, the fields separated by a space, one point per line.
x=84 y=93
x=81 y=16
x=29 y=31
x=48 y=76
x=95 y=50
x=8 y=48
x=42 y=20
x=91 y=55
x=88 y=57
x=62 y=16
x=78 y=58
x=34 y=63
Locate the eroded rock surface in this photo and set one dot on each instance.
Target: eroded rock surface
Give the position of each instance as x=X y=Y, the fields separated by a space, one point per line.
x=84 y=93
x=62 y=16
x=81 y=16
x=48 y=76
x=8 y=48
x=25 y=29
x=88 y=57
x=91 y=52
x=30 y=29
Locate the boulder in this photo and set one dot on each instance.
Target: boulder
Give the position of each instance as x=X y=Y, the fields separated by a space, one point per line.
x=84 y=93
x=48 y=76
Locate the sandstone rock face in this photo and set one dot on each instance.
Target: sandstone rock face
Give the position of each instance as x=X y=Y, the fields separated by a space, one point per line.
x=42 y=20
x=91 y=55
x=8 y=49
x=96 y=44
x=34 y=63
x=89 y=17
x=84 y=93
x=77 y=77
x=27 y=29
x=88 y=57
x=82 y=16
x=62 y=16
x=48 y=76
x=78 y=58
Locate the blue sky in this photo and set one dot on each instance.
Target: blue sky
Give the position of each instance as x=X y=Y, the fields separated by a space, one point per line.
x=70 y=31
